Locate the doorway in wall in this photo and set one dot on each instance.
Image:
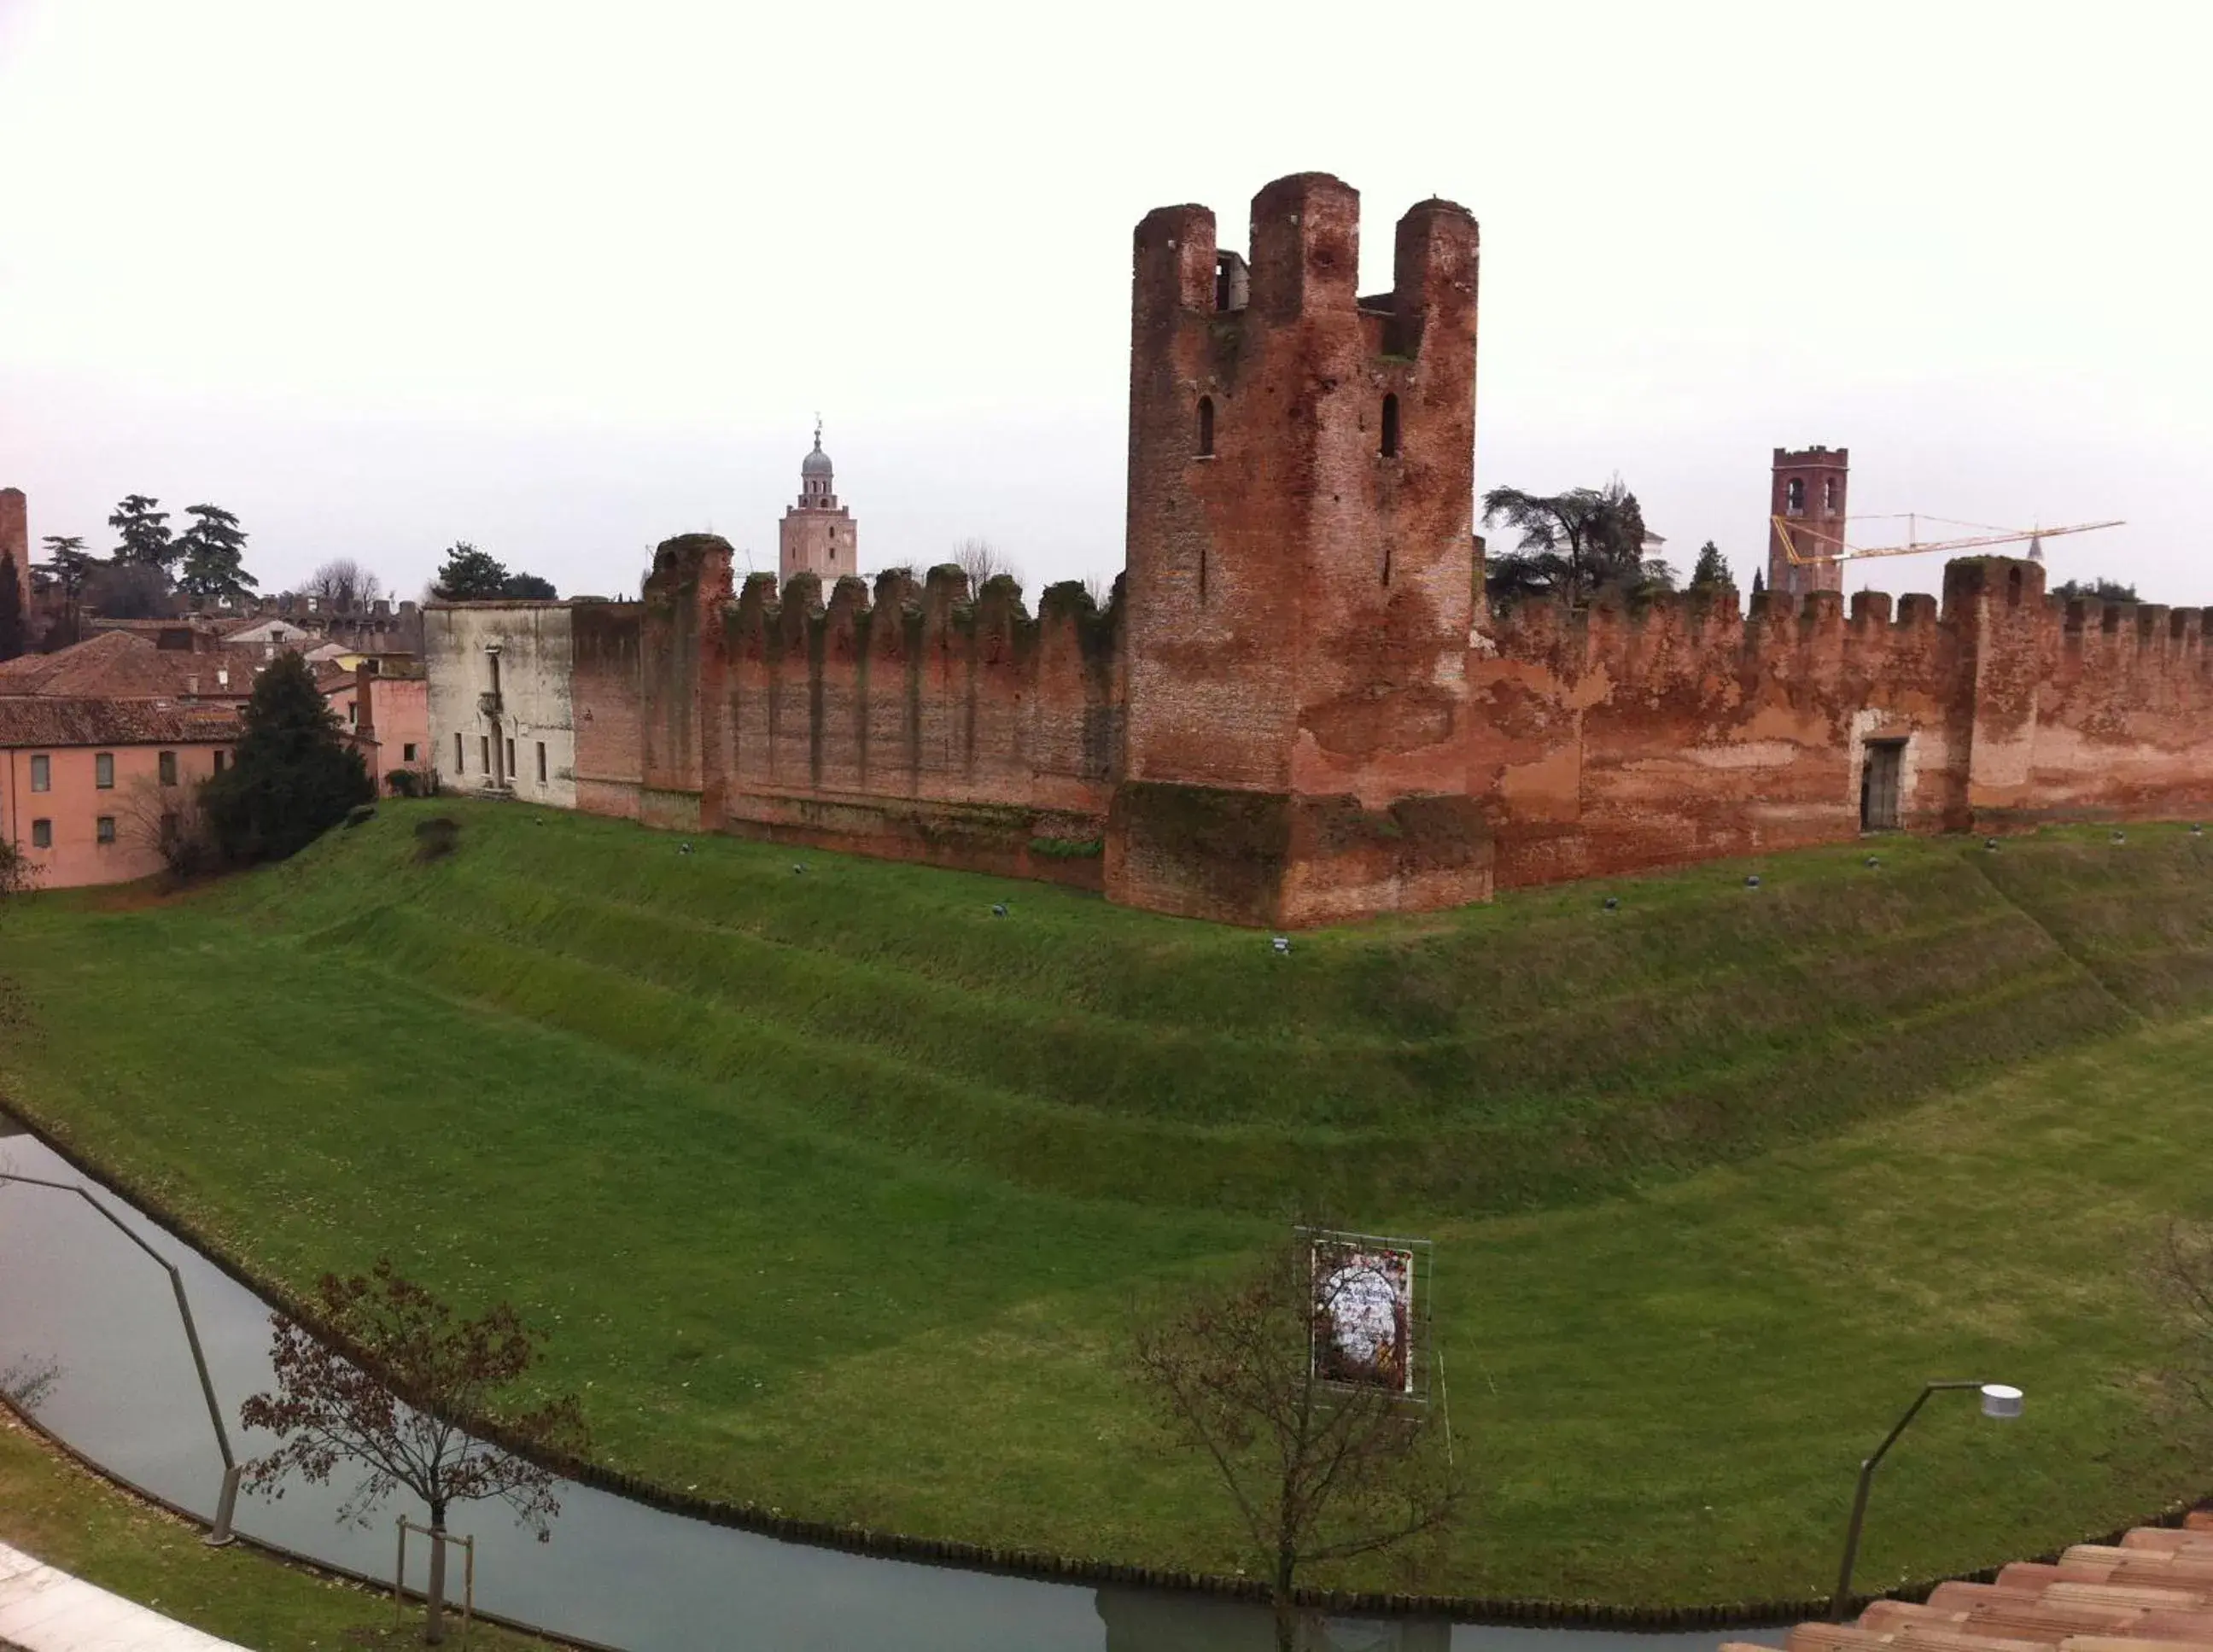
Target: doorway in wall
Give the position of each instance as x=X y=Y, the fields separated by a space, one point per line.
x=1879 y=773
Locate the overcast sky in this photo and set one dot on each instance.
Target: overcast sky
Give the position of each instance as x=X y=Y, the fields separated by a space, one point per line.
x=565 y=280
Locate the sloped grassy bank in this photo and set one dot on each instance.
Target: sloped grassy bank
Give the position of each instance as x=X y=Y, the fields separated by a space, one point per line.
x=833 y=1186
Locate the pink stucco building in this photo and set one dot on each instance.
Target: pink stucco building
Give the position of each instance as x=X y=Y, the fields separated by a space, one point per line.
x=87 y=787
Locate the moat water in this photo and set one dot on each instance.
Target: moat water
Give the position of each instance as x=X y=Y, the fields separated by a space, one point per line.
x=77 y=1296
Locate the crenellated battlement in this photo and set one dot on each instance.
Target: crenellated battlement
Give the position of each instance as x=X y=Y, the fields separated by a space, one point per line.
x=1297 y=708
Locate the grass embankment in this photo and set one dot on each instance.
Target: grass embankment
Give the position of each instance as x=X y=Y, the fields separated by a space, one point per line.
x=833 y=1187
x=52 y=1509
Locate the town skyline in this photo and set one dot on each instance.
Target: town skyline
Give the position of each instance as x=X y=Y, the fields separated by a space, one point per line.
x=579 y=299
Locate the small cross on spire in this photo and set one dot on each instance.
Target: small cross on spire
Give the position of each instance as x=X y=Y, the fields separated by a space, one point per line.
x=817 y=433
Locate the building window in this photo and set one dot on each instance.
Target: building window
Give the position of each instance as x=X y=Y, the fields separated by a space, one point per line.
x=42 y=834
x=1794 y=496
x=1390 y=427
x=1206 y=427
x=104 y=829
x=169 y=766
x=1829 y=496
x=222 y=759
x=511 y=760
x=353 y=715
x=483 y=751
x=407 y=752
x=103 y=770
x=461 y=764
x=42 y=774
x=541 y=762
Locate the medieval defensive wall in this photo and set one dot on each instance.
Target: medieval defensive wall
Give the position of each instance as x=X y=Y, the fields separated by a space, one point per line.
x=1296 y=708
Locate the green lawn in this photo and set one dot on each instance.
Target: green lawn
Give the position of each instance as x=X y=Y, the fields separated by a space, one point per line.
x=833 y=1188
x=53 y=1509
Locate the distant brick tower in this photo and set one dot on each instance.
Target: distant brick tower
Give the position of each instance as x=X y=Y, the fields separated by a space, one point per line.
x=1808 y=492
x=819 y=535
x=1300 y=565
x=16 y=539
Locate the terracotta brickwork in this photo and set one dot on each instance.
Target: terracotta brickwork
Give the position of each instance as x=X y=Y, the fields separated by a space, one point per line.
x=1808 y=490
x=909 y=720
x=16 y=539
x=1296 y=709
x=1299 y=558
x=1604 y=742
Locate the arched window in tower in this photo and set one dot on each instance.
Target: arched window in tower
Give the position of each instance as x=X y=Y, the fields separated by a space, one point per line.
x=1390 y=427
x=1206 y=427
x=1794 y=496
x=1829 y=496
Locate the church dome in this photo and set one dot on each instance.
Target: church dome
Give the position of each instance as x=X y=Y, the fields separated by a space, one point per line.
x=818 y=462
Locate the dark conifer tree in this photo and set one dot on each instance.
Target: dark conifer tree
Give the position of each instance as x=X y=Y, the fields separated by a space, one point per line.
x=293 y=777
x=213 y=549
x=143 y=531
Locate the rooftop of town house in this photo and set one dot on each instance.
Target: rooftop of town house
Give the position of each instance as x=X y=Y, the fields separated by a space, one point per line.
x=124 y=665
x=40 y=720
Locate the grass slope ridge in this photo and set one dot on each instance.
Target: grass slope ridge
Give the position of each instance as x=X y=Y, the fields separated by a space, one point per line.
x=1494 y=1059
x=833 y=1188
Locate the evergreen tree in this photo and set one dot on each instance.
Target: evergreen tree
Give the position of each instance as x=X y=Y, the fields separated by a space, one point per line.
x=1713 y=570
x=213 y=549
x=292 y=778
x=69 y=564
x=14 y=628
x=144 y=532
x=528 y=588
x=1573 y=544
x=2105 y=590
x=1758 y=582
x=469 y=576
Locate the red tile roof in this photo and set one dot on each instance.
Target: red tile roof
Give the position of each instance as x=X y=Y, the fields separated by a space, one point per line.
x=122 y=665
x=44 y=720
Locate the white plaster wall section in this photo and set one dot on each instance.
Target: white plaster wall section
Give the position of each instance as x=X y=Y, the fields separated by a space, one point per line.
x=534 y=645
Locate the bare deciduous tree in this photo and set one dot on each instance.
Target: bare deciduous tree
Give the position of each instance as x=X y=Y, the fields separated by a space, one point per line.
x=343 y=585
x=28 y=1382
x=2182 y=1280
x=169 y=820
x=1318 y=1470
x=17 y=875
x=980 y=560
x=412 y=1364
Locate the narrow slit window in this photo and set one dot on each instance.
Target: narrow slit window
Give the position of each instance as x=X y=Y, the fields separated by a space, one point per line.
x=1390 y=427
x=541 y=762
x=460 y=766
x=1206 y=427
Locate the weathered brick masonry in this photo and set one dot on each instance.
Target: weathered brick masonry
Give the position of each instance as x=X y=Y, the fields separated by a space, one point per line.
x=1295 y=710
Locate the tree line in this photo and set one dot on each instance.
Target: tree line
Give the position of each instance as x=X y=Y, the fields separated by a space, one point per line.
x=151 y=572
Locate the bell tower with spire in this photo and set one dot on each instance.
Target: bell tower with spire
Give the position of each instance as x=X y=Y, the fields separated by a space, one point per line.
x=819 y=535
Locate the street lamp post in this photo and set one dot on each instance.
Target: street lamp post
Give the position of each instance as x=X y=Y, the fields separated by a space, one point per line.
x=226 y=1500
x=1999 y=1400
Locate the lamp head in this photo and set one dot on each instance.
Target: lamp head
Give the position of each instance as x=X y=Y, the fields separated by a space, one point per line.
x=2001 y=1400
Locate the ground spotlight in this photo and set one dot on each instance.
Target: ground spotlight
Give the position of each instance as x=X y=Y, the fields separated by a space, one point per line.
x=1752 y=882
x=1613 y=903
x=1281 y=942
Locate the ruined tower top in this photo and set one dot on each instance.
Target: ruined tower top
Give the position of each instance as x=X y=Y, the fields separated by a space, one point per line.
x=1807 y=491
x=1300 y=557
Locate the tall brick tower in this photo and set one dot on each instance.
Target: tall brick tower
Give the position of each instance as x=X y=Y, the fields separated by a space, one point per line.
x=1808 y=492
x=1300 y=565
x=15 y=537
x=818 y=535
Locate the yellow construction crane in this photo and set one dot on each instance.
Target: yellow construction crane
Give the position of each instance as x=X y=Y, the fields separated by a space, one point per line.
x=1820 y=548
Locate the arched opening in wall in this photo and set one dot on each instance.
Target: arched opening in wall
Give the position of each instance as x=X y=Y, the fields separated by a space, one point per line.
x=1206 y=427
x=1390 y=427
x=1829 y=496
x=1881 y=764
x=1794 y=496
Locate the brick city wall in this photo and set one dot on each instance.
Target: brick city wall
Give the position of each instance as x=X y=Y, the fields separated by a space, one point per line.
x=1606 y=742
x=909 y=721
